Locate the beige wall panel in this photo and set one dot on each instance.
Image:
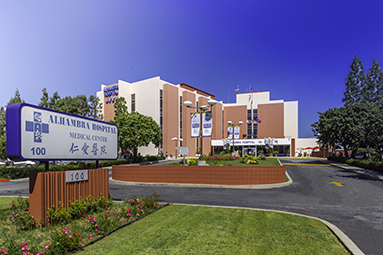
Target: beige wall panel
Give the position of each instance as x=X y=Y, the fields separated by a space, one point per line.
x=272 y=123
x=170 y=118
x=217 y=121
x=186 y=125
x=236 y=114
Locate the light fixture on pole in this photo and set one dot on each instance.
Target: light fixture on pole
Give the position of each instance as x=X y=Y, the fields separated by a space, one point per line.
x=200 y=110
x=233 y=126
x=175 y=139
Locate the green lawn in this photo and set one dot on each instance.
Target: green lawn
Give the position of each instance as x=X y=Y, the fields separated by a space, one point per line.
x=179 y=229
x=237 y=162
x=5 y=201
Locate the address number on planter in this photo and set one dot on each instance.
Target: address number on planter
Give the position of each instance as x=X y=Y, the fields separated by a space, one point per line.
x=76 y=176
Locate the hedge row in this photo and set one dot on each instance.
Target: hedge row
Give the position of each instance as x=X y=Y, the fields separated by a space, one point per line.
x=23 y=172
x=375 y=164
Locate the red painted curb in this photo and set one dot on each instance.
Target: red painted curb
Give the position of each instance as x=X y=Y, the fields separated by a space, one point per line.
x=4 y=180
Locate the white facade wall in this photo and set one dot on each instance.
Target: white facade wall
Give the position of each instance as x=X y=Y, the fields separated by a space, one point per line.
x=124 y=91
x=100 y=95
x=302 y=143
x=290 y=119
x=257 y=97
x=147 y=98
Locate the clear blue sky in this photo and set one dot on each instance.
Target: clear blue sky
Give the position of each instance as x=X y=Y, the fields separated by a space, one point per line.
x=298 y=50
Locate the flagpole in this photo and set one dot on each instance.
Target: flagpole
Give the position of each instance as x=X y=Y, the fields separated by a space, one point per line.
x=251 y=114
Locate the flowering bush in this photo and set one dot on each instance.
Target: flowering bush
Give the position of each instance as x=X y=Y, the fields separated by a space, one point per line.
x=192 y=162
x=20 y=215
x=77 y=209
x=222 y=157
x=254 y=162
x=56 y=240
x=63 y=242
x=104 y=223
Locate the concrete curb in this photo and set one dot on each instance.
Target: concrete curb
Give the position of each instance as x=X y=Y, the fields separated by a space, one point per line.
x=20 y=180
x=259 y=186
x=346 y=241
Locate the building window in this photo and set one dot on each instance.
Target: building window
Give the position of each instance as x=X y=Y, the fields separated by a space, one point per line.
x=181 y=117
x=249 y=136
x=255 y=132
x=255 y=114
x=133 y=100
x=249 y=114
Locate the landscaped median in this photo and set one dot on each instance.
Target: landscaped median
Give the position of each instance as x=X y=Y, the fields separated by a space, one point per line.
x=225 y=171
x=81 y=224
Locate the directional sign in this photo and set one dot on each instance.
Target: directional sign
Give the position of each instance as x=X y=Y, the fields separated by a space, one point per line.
x=337 y=184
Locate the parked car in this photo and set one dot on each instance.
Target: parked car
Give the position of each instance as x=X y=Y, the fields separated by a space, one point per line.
x=126 y=156
x=27 y=163
x=3 y=162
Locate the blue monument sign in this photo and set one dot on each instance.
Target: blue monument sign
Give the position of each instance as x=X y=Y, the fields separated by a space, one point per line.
x=38 y=133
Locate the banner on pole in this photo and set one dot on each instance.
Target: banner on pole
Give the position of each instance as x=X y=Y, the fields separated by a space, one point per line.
x=207 y=124
x=236 y=132
x=230 y=132
x=195 y=124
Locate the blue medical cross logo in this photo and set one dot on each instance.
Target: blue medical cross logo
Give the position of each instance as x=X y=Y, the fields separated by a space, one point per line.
x=37 y=127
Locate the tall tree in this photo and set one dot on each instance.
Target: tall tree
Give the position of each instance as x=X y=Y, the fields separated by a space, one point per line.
x=354 y=82
x=79 y=105
x=134 y=129
x=373 y=89
x=352 y=126
x=3 y=143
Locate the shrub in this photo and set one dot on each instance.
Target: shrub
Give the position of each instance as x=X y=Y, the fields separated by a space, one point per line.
x=77 y=209
x=192 y=162
x=20 y=216
x=371 y=163
x=63 y=242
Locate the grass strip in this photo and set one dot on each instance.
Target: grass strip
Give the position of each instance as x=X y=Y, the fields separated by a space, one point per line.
x=237 y=162
x=180 y=229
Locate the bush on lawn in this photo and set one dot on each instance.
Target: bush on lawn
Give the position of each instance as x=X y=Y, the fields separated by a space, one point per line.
x=23 y=172
x=371 y=163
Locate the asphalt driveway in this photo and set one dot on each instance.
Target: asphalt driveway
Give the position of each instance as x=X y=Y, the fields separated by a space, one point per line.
x=351 y=201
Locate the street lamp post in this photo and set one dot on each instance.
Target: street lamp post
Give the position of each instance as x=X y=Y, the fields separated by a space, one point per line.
x=230 y=124
x=200 y=109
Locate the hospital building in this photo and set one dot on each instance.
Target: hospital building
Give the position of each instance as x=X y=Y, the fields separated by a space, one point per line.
x=264 y=121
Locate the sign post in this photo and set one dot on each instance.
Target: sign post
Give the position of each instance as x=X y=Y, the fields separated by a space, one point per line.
x=36 y=133
x=184 y=151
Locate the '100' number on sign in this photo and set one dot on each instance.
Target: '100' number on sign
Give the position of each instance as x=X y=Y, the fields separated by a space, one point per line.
x=38 y=151
x=77 y=176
